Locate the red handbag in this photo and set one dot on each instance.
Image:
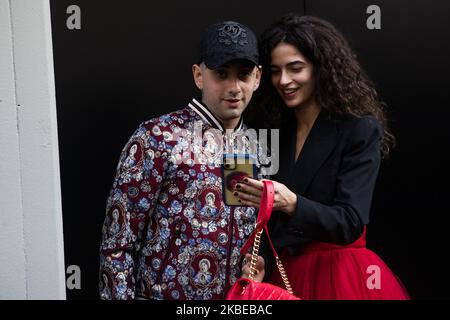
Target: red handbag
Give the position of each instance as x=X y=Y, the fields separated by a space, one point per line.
x=247 y=288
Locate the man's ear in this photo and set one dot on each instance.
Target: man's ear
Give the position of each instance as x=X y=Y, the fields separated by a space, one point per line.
x=198 y=76
x=258 y=77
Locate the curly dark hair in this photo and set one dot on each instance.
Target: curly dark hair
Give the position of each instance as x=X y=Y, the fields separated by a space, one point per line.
x=341 y=85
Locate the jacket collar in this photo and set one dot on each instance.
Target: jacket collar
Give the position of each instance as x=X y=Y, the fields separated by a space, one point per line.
x=207 y=116
x=319 y=144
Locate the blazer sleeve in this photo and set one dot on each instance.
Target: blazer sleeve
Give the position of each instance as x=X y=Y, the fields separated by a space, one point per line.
x=343 y=221
x=131 y=200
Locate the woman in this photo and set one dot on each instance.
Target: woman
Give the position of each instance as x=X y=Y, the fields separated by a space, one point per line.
x=333 y=135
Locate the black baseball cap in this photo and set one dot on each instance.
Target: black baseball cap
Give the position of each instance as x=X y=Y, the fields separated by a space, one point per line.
x=227 y=41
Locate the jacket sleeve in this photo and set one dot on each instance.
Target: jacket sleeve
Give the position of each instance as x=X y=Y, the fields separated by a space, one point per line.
x=343 y=221
x=131 y=200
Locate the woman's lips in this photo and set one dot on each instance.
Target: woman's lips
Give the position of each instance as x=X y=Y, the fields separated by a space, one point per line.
x=289 y=93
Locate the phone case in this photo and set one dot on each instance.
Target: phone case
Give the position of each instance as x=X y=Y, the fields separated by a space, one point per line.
x=235 y=168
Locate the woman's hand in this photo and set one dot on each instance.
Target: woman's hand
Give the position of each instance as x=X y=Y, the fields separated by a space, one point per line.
x=259 y=268
x=250 y=190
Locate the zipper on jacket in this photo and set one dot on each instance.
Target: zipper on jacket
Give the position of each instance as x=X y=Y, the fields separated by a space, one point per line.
x=168 y=252
x=230 y=239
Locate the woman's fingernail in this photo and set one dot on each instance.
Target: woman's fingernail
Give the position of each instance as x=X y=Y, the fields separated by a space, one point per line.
x=238 y=186
x=246 y=180
x=236 y=194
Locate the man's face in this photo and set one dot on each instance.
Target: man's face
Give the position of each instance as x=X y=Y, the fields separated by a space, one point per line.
x=228 y=89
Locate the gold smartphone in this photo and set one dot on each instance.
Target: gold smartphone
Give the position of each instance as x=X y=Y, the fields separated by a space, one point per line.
x=235 y=168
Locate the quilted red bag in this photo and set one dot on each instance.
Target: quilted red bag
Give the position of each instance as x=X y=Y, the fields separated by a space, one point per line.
x=247 y=288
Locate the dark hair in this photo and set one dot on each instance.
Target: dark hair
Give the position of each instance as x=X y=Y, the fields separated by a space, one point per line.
x=341 y=85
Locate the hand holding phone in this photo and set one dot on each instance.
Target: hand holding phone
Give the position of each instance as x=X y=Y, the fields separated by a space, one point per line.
x=234 y=170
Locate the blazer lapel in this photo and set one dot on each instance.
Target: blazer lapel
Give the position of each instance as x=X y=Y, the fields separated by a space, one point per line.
x=318 y=146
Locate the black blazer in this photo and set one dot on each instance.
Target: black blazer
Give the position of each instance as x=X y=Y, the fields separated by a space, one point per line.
x=334 y=179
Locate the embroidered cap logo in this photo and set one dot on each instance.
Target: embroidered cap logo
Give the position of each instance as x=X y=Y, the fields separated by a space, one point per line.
x=232 y=33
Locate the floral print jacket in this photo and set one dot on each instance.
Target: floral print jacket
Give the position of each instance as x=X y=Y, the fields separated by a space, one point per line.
x=167 y=232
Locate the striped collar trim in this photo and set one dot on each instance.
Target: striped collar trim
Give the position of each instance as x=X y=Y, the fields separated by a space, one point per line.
x=207 y=116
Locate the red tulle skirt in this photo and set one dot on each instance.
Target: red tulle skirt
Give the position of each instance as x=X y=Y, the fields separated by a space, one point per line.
x=325 y=271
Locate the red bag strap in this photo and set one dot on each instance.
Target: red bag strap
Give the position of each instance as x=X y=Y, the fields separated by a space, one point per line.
x=264 y=213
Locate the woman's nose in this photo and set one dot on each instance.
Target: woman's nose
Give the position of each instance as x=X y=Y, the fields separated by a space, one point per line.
x=284 y=78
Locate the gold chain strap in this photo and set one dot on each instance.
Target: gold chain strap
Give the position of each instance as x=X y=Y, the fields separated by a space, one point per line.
x=254 y=260
x=255 y=252
x=283 y=274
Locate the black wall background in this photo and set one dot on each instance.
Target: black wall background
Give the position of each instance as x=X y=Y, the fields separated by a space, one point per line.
x=131 y=61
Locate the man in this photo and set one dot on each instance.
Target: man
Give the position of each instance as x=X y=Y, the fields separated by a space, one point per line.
x=168 y=185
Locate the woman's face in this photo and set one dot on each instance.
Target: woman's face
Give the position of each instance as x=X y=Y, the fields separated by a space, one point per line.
x=292 y=75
